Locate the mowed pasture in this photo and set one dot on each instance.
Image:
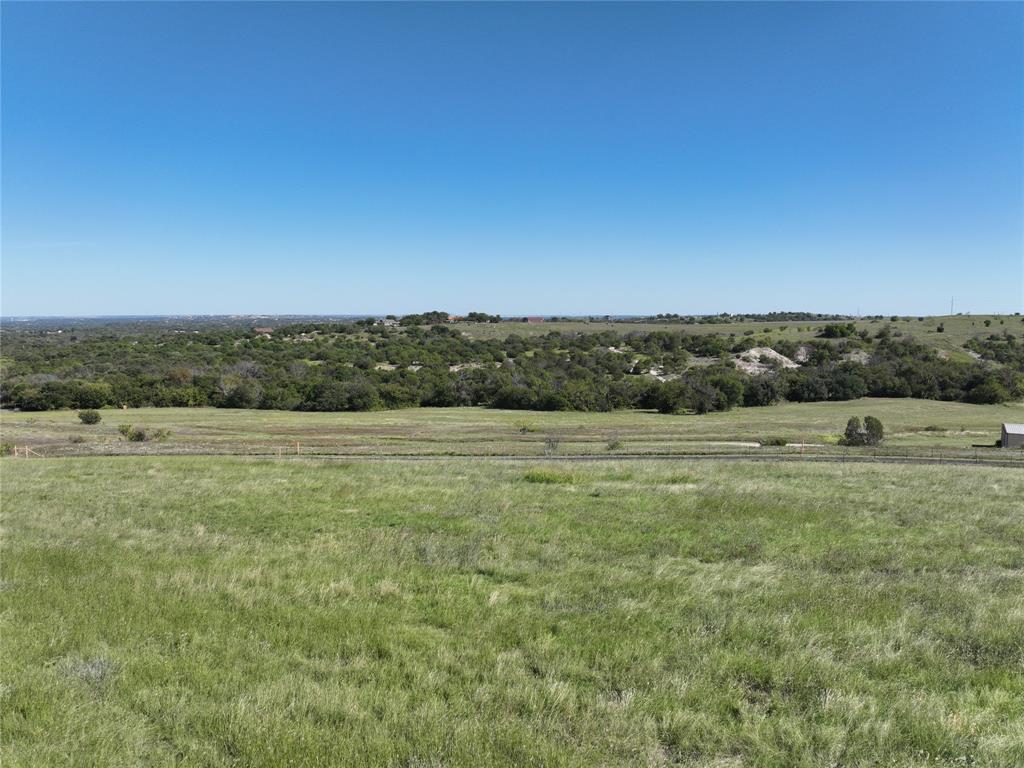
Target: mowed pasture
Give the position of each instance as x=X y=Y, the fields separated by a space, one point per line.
x=917 y=427
x=255 y=612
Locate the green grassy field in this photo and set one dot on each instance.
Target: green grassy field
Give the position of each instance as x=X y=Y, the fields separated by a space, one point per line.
x=912 y=425
x=253 y=612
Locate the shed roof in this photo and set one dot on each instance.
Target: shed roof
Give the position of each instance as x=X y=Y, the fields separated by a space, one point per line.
x=1014 y=429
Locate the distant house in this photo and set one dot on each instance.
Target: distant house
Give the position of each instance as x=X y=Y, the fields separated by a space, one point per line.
x=455 y=318
x=1013 y=436
x=534 y=319
x=388 y=321
x=265 y=332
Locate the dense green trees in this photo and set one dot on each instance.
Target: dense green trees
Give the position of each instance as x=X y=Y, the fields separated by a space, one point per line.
x=426 y=318
x=355 y=366
x=482 y=317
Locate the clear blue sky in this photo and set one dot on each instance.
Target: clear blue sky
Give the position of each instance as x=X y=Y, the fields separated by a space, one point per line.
x=555 y=158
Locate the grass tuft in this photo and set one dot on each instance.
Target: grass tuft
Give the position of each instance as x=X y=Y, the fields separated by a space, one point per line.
x=549 y=477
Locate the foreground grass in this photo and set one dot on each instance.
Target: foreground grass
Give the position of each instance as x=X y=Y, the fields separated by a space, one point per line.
x=910 y=424
x=245 y=612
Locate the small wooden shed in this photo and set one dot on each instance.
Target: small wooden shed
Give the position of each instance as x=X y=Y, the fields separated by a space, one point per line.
x=1013 y=436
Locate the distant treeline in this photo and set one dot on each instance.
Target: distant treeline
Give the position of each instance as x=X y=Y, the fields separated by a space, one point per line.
x=358 y=366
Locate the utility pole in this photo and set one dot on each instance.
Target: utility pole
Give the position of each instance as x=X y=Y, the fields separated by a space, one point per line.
x=951 y=305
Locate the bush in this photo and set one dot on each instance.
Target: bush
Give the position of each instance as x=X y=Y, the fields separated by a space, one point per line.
x=838 y=331
x=6 y=449
x=874 y=431
x=90 y=416
x=132 y=434
x=776 y=441
x=870 y=433
x=854 y=434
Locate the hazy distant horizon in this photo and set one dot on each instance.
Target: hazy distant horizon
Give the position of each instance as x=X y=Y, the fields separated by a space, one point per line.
x=505 y=316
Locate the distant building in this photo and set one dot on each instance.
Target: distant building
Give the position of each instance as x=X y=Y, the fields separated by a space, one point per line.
x=388 y=321
x=455 y=318
x=533 y=319
x=263 y=331
x=1013 y=436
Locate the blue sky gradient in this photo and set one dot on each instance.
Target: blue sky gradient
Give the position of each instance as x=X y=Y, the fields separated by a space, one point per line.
x=543 y=158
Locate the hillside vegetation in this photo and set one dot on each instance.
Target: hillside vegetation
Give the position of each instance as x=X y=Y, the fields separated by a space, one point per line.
x=358 y=366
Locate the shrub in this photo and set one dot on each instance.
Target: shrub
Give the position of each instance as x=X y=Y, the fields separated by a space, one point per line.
x=854 y=434
x=777 y=441
x=6 y=449
x=870 y=433
x=874 y=431
x=90 y=416
x=132 y=434
x=838 y=331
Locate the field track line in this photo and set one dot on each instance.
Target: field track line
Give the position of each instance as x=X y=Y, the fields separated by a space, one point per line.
x=368 y=457
x=667 y=457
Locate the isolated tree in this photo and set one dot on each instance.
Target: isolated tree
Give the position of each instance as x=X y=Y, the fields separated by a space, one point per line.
x=854 y=434
x=874 y=432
